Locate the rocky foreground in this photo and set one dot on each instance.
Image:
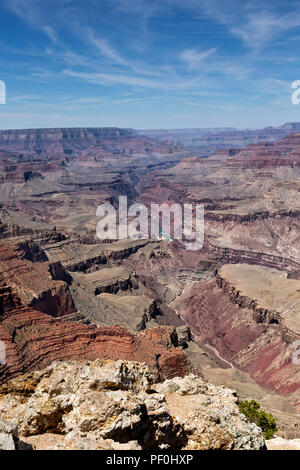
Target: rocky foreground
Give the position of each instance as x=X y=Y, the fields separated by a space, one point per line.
x=115 y=405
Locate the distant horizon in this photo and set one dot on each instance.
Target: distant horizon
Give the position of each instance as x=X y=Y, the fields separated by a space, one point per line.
x=148 y=129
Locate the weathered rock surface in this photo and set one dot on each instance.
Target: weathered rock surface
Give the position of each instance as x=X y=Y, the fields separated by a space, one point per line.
x=35 y=283
x=209 y=415
x=8 y=435
x=278 y=443
x=273 y=297
x=104 y=404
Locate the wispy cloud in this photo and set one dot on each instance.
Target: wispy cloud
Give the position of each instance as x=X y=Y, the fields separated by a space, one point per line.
x=51 y=35
x=194 y=58
x=106 y=50
x=104 y=47
x=256 y=23
x=24 y=98
x=260 y=28
x=131 y=80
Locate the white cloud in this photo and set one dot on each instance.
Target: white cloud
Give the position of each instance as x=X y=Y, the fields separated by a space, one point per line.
x=24 y=98
x=194 y=58
x=261 y=28
x=105 y=49
x=51 y=34
x=256 y=23
x=134 y=81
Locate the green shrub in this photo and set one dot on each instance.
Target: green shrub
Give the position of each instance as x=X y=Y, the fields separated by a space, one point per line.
x=173 y=387
x=254 y=414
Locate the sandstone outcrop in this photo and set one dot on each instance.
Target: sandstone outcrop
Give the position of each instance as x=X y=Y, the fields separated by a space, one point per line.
x=8 y=435
x=104 y=404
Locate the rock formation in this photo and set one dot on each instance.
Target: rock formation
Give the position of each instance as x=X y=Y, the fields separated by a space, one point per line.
x=78 y=141
x=206 y=141
x=8 y=435
x=249 y=314
x=115 y=405
x=34 y=339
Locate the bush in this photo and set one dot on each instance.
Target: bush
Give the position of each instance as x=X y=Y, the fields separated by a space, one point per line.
x=254 y=414
x=173 y=387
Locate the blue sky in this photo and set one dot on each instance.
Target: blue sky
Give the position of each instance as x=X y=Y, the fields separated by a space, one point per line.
x=149 y=63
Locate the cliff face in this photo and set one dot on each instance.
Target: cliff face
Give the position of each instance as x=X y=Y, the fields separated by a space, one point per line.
x=14 y=170
x=43 y=139
x=206 y=141
x=39 y=323
x=33 y=143
x=285 y=153
x=34 y=339
x=115 y=405
x=247 y=332
x=34 y=282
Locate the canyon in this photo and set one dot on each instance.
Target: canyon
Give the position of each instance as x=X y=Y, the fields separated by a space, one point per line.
x=228 y=313
x=204 y=141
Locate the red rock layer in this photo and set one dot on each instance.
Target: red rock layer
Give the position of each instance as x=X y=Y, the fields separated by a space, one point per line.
x=34 y=282
x=250 y=339
x=20 y=172
x=286 y=152
x=34 y=339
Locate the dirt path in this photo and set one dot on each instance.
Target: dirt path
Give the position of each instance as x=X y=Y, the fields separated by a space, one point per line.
x=219 y=356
